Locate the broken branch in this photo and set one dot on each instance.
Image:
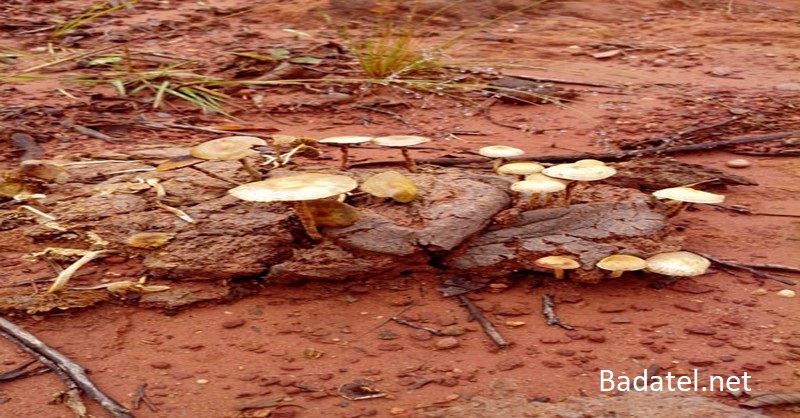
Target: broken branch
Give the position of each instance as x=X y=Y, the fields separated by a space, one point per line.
x=487 y=326
x=549 y=313
x=749 y=269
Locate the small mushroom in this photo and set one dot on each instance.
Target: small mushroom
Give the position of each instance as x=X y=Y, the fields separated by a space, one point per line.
x=402 y=142
x=520 y=169
x=681 y=197
x=230 y=148
x=187 y=161
x=579 y=173
x=540 y=187
x=620 y=263
x=149 y=240
x=331 y=213
x=297 y=189
x=499 y=153
x=344 y=142
x=390 y=184
x=677 y=264
x=558 y=264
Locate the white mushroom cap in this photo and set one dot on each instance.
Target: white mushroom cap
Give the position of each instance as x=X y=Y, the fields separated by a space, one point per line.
x=227 y=148
x=500 y=151
x=678 y=263
x=520 y=168
x=399 y=140
x=621 y=262
x=538 y=183
x=688 y=194
x=589 y=163
x=345 y=140
x=306 y=186
x=557 y=262
x=587 y=171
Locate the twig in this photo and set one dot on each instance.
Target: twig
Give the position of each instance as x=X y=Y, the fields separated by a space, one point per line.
x=562 y=81
x=63 y=277
x=487 y=326
x=748 y=269
x=605 y=156
x=140 y=397
x=73 y=375
x=401 y=321
x=549 y=313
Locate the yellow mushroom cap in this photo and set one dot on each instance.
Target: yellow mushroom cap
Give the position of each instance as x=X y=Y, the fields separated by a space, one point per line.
x=390 y=184
x=345 y=140
x=306 y=186
x=520 y=168
x=588 y=163
x=227 y=148
x=621 y=262
x=678 y=263
x=500 y=151
x=538 y=183
x=557 y=262
x=149 y=239
x=688 y=194
x=399 y=140
x=180 y=161
x=587 y=171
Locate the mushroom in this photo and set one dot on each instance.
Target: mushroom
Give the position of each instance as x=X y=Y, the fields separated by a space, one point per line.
x=620 y=263
x=344 y=142
x=390 y=184
x=149 y=240
x=558 y=264
x=187 y=161
x=332 y=213
x=540 y=187
x=499 y=153
x=579 y=173
x=230 y=148
x=402 y=142
x=520 y=169
x=297 y=189
x=677 y=264
x=681 y=197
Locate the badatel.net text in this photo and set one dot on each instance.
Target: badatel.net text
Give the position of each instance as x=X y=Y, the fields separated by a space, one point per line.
x=672 y=383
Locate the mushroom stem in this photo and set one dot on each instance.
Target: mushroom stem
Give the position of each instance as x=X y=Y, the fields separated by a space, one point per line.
x=345 y=148
x=307 y=220
x=571 y=186
x=496 y=163
x=410 y=164
x=254 y=174
x=558 y=273
x=212 y=175
x=614 y=274
x=674 y=207
x=533 y=201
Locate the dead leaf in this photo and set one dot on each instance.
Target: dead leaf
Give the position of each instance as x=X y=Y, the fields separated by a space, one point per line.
x=772 y=399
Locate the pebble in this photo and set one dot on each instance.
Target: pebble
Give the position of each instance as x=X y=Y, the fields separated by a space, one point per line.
x=741 y=344
x=715 y=343
x=233 y=323
x=566 y=352
x=690 y=305
x=759 y=292
x=700 y=362
x=454 y=331
x=201 y=381
x=721 y=71
x=421 y=335
x=390 y=346
x=597 y=338
x=510 y=364
x=574 y=50
x=726 y=358
x=643 y=306
x=753 y=367
x=787 y=87
x=786 y=293
x=676 y=51
x=552 y=364
x=613 y=308
x=446 y=343
x=700 y=330
x=161 y=365
x=738 y=163
x=660 y=62
x=620 y=319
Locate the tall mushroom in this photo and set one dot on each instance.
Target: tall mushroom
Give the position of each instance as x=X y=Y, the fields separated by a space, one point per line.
x=540 y=187
x=520 y=169
x=499 y=153
x=344 y=142
x=681 y=197
x=558 y=264
x=297 y=189
x=579 y=173
x=402 y=142
x=230 y=148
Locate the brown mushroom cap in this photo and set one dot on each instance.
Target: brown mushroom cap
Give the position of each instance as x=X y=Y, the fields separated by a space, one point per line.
x=301 y=187
x=621 y=262
x=500 y=151
x=399 y=140
x=390 y=184
x=587 y=171
x=520 y=168
x=227 y=148
x=688 y=194
x=678 y=263
x=345 y=140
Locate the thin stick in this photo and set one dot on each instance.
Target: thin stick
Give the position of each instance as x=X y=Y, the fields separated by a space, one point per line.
x=550 y=314
x=401 y=321
x=563 y=81
x=73 y=375
x=63 y=277
x=487 y=326
x=748 y=269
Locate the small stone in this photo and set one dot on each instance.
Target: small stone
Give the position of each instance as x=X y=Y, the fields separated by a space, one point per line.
x=700 y=362
x=726 y=359
x=390 y=346
x=233 y=323
x=642 y=306
x=454 y=331
x=401 y=300
x=676 y=51
x=161 y=365
x=446 y=343
x=689 y=305
x=690 y=286
x=620 y=319
x=660 y=62
x=715 y=343
x=613 y=308
x=421 y=335
x=700 y=330
x=753 y=367
x=396 y=410
x=738 y=163
x=742 y=344
x=566 y=352
x=574 y=50
x=597 y=338
x=552 y=364
x=510 y=364
x=786 y=293
x=787 y=87
x=201 y=381
x=569 y=298
x=734 y=320
x=514 y=324
x=721 y=71
x=759 y=292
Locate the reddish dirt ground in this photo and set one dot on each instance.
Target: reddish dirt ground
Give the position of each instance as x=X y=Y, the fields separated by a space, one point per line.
x=678 y=64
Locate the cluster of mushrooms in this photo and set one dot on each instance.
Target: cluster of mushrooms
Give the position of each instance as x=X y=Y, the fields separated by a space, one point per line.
x=540 y=183
x=318 y=198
